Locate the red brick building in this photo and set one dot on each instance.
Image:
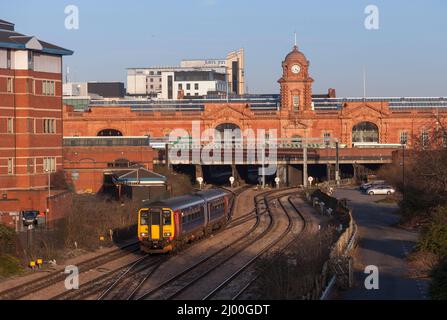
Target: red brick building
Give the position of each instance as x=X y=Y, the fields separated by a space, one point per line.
x=30 y=123
x=296 y=112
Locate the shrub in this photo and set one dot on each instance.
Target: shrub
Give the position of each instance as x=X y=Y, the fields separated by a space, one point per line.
x=9 y=265
x=7 y=240
x=434 y=236
x=438 y=286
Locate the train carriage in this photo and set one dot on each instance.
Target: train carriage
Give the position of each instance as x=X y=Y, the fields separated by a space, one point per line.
x=167 y=224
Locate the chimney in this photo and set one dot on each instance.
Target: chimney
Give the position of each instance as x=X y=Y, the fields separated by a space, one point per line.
x=331 y=93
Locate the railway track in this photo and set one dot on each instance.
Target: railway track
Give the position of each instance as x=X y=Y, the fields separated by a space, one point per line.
x=177 y=284
x=253 y=280
x=55 y=277
x=124 y=284
x=214 y=294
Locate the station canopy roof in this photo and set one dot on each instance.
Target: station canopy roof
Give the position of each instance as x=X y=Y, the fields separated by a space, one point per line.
x=139 y=176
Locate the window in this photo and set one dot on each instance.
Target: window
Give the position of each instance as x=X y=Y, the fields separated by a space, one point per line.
x=30 y=86
x=30 y=60
x=49 y=164
x=10 y=166
x=403 y=137
x=296 y=103
x=144 y=215
x=30 y=165
x=180 y=86
x=48 y=88
x=8 y=59
x=444 y=139
x=10 y=85
x=10 y=125
x=159 y=73
x=151 y=73
x=196 y=94
x=188 y=86
x=30 y=125
x=152 y=80
x=424 y=138
x=166 y=218
x=49 y=126
x=196 y=86
x=327 y=137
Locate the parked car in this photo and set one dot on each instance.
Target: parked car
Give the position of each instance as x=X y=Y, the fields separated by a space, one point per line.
x=365 y=186
x=380 y=189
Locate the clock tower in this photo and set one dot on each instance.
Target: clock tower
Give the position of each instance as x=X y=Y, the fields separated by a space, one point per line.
x=296 y=84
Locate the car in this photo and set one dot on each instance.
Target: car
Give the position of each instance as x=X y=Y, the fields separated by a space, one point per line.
x=380 y=189
x=365 y=186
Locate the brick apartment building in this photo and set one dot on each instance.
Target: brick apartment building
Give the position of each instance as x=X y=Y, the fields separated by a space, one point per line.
x=30 y=124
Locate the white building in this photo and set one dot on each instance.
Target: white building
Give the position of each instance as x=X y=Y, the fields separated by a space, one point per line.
x=149 y=81
x=192 y=84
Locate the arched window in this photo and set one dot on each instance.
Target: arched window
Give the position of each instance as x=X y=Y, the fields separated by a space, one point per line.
x=231 y=128
x=365 y=132
x=120 y=163
x=296 y=138
x=110 y=133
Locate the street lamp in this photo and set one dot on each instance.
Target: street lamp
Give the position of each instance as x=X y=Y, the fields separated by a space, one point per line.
x=48 y=170
x=403 y=171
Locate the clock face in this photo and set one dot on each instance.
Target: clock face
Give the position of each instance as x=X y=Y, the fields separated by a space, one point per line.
x=296 y=68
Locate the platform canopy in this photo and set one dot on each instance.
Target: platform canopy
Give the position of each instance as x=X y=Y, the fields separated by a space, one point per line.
x=139 y=177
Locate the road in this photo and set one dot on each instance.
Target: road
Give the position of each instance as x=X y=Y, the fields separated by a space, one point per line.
x=384 y=245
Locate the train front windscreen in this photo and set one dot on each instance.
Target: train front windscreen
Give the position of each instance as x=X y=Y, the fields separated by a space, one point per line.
x=156 y=224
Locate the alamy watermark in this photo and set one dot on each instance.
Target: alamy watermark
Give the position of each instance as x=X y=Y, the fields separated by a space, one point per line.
x=372 y=20
x=72 y=280
x=372 y=280
x=230 y=146
x=72 y=18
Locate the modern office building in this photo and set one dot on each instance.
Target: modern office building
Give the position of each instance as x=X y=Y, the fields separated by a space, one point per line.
x=192 y=84
x=30 y=123
x=149 y=81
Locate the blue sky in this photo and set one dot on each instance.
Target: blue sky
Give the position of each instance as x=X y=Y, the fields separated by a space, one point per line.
x=405 y=57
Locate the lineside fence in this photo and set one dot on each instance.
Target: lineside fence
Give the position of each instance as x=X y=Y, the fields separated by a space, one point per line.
x=338 y=270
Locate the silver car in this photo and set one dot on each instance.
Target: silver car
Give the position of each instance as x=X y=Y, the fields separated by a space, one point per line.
x=377 y=190
x=365 y=186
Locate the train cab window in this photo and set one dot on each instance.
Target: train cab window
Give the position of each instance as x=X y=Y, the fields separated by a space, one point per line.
x=166 y=218
x=155 y=216
x=144 y=215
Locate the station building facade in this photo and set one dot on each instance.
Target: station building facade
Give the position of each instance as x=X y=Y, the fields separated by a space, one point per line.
x=295 y=113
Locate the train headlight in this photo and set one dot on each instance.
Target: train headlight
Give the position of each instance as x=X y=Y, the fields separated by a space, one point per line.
x=166 y=234
x=143 y=234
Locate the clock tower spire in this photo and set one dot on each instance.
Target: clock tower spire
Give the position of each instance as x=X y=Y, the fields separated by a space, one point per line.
x=296 y=84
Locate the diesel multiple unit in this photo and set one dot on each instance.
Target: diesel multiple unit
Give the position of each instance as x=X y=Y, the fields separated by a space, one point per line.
x=166 y=225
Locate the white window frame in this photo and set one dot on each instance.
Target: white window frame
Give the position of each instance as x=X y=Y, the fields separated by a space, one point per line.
x=10 y=125
x=401 y=136
x=296 y=102
x=9 y=85
x=10 y=166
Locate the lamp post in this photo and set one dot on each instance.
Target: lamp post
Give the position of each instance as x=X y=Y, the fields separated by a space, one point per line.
x=337 y=163
x=48 y=170
x=403 y=171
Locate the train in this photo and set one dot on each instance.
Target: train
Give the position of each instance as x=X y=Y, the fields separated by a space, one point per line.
x=167 y=225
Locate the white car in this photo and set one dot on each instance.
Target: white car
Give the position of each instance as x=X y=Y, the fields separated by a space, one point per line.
x=380 y=190
x=365 y=186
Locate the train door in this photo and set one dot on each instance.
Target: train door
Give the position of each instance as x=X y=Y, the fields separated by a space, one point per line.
x=155 y=223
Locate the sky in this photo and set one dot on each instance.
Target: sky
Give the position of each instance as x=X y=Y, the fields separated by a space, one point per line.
x=405 y=56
